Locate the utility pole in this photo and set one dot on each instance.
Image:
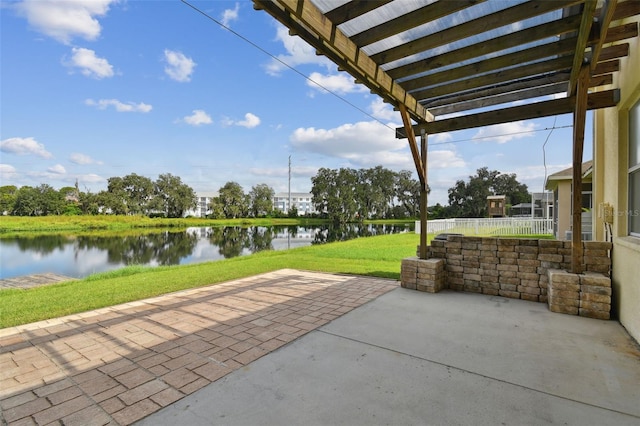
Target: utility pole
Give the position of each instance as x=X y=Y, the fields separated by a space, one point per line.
x=289 y=184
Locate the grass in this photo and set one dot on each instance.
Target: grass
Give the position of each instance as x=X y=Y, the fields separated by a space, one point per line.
x=374 y=256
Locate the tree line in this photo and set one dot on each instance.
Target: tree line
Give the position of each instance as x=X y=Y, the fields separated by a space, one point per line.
x=133 y=194
x=341 y=195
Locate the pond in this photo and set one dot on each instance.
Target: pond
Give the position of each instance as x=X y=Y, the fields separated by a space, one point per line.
x=79 y=256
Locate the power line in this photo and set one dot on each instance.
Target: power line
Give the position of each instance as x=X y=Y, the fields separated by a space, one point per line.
x=266 y=52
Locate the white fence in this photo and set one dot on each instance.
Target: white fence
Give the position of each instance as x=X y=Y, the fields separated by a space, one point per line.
x=493 y=226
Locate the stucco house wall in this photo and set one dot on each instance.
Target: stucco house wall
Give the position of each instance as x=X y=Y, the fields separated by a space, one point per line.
x=610 y=177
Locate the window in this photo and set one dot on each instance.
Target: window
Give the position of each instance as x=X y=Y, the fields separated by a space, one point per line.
x=634 y=170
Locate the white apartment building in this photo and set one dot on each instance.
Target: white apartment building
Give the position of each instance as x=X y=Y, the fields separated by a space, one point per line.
x=299 y=200
x=202 y=209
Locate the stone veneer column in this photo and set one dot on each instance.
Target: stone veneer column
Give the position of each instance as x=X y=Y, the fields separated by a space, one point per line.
x=595 y=296
x=422 y=274
x=563 y=292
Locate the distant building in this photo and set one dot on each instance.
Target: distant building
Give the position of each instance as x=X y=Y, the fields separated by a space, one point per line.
x=202 y=208
x=541 y=206
x=299 y=200
x=561 y=183
x=496 y=205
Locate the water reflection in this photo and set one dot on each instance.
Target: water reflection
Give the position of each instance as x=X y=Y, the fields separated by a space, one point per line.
x=83 y=255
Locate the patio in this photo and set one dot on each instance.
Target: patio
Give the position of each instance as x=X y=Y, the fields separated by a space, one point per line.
x=301 y=347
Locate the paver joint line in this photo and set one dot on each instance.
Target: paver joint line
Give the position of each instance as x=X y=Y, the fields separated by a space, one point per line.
x=122 y=363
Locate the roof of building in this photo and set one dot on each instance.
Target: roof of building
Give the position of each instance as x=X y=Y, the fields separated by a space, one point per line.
x=567 y=174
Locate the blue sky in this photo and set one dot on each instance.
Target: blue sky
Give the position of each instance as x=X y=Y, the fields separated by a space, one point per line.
x=91 y=89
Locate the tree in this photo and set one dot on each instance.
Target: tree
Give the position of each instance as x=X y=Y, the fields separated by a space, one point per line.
x=261 y=200
x=133 y=193
x=233 y=200
x=516 y=192
x=216 y=208
x=469 y=199
x=173 y=197
x=140 y=192
x=323 y=190
x=375 y=192
x=7 y=198
x=109 y=202
x=42 y=200
x=26 y=202
x=407 y=192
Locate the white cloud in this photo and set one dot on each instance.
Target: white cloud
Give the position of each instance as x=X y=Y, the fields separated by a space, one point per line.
x=368 y=144
x=7 y=172
x=89 y=178
x=362 y=138
x=82 y=159
x=230 y=15
x=89 y=64
x=505 y=132
x=58 y=169
x=444 y=159
x=24 y=146
x=198 y=118
x=341 y=83
x=381 y=110
x=119 y=106
x=298 y=53
x=179 y=67
x=250 y=121
x=440 y=137
x=64 y=20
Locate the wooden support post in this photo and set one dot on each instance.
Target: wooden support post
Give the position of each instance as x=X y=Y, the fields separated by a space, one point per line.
x=411 y=136
x=423 y=198
x=579 y=118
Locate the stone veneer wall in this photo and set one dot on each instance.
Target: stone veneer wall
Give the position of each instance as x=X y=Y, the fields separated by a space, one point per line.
x=509 y=267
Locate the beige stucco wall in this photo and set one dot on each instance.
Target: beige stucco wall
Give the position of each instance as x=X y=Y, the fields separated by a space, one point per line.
x=610 y=175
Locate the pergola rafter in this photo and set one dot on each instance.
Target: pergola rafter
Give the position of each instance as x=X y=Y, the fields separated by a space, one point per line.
x=474 y=57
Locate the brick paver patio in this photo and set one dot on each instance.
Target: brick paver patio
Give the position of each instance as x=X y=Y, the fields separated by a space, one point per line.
x=119 y=364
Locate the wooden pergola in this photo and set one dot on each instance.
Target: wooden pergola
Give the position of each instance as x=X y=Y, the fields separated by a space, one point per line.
x=449 y=65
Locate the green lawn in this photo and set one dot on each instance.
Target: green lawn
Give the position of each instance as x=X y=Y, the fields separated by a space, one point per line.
x=378 y=256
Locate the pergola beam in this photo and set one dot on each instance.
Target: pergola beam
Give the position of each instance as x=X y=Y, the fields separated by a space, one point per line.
x=310 y=24
x=501 y=76
x=352 y=10
x=503 y=98
x=606 y=15
x=595 y=100
x=589 y=7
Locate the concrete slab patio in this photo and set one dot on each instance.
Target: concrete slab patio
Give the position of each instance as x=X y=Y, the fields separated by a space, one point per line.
x=447 y=358
x=289 y=348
